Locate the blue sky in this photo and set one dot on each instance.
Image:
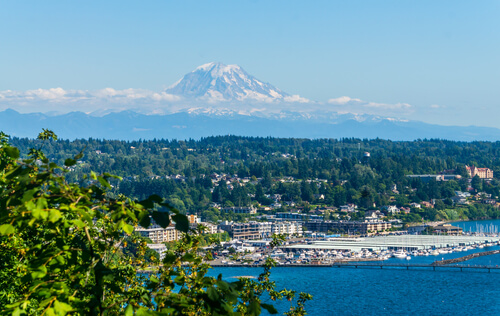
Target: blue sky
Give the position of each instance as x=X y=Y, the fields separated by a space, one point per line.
x=441 y=57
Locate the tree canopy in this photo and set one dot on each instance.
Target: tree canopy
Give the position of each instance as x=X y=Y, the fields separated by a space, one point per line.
x=61 y=241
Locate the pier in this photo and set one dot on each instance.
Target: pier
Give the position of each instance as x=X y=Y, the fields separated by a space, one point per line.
x=433 y=267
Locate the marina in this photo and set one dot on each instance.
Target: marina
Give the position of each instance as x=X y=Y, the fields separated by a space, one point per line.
x=396 y=242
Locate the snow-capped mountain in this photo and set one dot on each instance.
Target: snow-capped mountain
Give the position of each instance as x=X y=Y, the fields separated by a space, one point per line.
x=219 y=82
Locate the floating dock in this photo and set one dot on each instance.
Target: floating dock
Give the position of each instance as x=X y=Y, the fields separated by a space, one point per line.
x=394 y=242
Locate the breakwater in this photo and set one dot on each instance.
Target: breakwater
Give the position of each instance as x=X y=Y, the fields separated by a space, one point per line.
x=465 y=258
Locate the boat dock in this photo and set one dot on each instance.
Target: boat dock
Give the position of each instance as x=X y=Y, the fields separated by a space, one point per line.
x=394 y=242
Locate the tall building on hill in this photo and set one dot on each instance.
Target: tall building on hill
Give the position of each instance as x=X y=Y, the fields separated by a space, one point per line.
x=483 y=173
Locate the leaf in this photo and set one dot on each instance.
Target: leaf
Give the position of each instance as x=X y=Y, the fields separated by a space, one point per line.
x=18 y=312
x=28 y=195
x=50 y=312
x=39 y=272
x=80 y=155
x=61 y=307
x=7 y=229
x=161 y=218
x=254 y=308
x=69 y=162
x=147 y=203
x=14 y=173
x=222 y=285
x=181 y=222
x=151 y=200
x=78 y=223
x=54 y=215
x=212 y=294
x=155 y=198
x=129 y=311
x=270 y=308
x=179 y=280
x=12 y=152
x=103 y=182
x=188 y=257
x=169 y=258
x=47 y=134
x=129 y=229
x=154 y=279
x=145 y=220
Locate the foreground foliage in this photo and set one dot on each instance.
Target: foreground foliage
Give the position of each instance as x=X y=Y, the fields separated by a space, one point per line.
x=60 y=251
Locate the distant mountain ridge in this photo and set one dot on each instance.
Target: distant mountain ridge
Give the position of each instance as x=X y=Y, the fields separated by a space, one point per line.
x=129 y=125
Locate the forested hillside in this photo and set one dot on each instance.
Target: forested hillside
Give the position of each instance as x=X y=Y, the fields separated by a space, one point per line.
x=196 y=175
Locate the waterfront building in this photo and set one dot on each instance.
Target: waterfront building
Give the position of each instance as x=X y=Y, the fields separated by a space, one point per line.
x=416 y=230
x=448 y=229
x=257 y=230
x=347 y=227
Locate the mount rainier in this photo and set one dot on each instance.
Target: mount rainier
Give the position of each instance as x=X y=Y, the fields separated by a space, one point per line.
x=218 y=82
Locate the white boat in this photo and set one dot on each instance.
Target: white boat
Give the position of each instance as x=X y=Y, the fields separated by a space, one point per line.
x=400 y=255
x=408 y=257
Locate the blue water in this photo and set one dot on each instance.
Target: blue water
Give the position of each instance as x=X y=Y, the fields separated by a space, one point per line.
x=485 y=226
x=375 y=291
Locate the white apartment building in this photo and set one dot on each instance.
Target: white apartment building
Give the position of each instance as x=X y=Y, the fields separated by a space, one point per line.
x=158 y=234
x=287 y=228
x=159 y=248
x=257 y=230
x=209 y=227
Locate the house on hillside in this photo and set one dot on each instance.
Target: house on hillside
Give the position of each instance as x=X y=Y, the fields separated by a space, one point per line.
x=390 y=209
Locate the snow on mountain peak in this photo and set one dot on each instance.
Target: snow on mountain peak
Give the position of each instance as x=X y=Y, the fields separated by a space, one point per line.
x=217 y=68
x=219 y=82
